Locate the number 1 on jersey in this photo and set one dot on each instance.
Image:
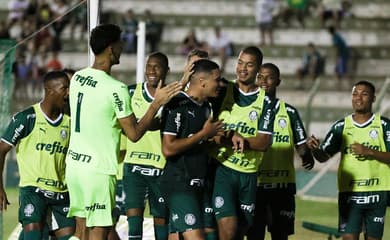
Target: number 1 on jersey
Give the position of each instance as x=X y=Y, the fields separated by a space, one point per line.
x=78 y=109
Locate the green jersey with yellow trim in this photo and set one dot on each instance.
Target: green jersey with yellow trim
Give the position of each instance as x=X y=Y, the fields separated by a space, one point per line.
x=41 y=147
x=248 y=115
x=147 y=151
x=277 y=166
x=357 y=173
x=97 y=101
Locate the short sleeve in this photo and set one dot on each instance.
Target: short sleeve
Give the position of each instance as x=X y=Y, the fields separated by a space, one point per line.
x=121 y=101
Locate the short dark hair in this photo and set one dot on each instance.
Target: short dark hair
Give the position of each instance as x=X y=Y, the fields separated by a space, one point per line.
x=368 y=84
x=162 y=57
x=52 y=75
x=205 y=66
x=197 y=52
x=103 y=35
x=69 y=71
x=273 y=67
x=255 y=51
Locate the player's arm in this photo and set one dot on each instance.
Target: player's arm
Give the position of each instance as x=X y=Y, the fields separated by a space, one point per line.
x=172 y=145
x=330 y=146
x=4 y=149
x=299 y=138
x=134 y=129
x=18 y=128
x=261 y=142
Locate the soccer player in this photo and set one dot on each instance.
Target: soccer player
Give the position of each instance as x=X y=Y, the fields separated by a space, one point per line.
x=41 y=136
x=363 y=140
x=187 y=125
x=100 y=109
x=144 y=161
x=275 y=200
x=248 y=121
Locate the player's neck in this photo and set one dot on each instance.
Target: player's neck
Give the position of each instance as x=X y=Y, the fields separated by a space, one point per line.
x=247 y=87
x=49 y=110
x=196 y=95
x=361 y=118
x=102 y=64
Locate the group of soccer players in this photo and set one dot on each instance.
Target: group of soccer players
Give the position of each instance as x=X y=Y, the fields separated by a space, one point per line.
x=214 y=158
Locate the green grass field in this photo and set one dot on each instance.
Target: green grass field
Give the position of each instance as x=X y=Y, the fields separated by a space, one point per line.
x=324 y=213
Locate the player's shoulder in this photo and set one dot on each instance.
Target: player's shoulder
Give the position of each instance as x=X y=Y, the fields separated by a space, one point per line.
x=25 y=114
x=338 y=125
x=385 y=121
x=179 y=100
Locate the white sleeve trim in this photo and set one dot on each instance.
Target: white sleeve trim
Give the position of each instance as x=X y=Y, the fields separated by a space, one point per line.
x=265 y=132
x=170 y=133
x=7 y=142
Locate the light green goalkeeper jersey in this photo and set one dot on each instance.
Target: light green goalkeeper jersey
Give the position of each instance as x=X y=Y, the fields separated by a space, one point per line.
x=97 y=101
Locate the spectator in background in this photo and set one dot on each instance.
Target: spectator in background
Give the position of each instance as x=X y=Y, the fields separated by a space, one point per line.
x=342 y=53
x=297 y=8
x=59 y=8
x=312 y=64
x=153 y=31
x=220 y=45
x=4 y=32
x=330 y=9
x=16 y=10
x=263 y=15
x=190 y=43
x=54 y=64
x=22 y=69
x=130 y=26
x=78 y=17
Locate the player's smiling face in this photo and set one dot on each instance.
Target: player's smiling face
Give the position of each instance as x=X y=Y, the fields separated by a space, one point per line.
x=268 y=80
x=155 y=71
x=362 y=99
x=246 y=68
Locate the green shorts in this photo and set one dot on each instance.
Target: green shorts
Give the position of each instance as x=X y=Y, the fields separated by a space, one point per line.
x=185 y=211
x=234 y=195
x=91 y=196
x=36 y=203
x=275 y=208
x=362 y=208
x=138 y=187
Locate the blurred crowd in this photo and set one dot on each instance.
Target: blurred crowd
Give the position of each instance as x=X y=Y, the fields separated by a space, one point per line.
x=42 y=22
x=37 y=26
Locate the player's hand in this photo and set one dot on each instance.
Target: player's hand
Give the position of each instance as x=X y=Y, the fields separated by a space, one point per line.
x=308 y=163
x=212 y=128
x=187 y=74
x=359 y=150
x=312 y=142
x=3 y=199
x=238 y=142
x=164 y=94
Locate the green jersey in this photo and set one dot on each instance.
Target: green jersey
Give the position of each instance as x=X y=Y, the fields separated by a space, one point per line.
x=183 y=117
x=357 y=173
x=41 y=146
x=97 y=101
x=248 y=114
x=147 y=151
x=277 y=166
